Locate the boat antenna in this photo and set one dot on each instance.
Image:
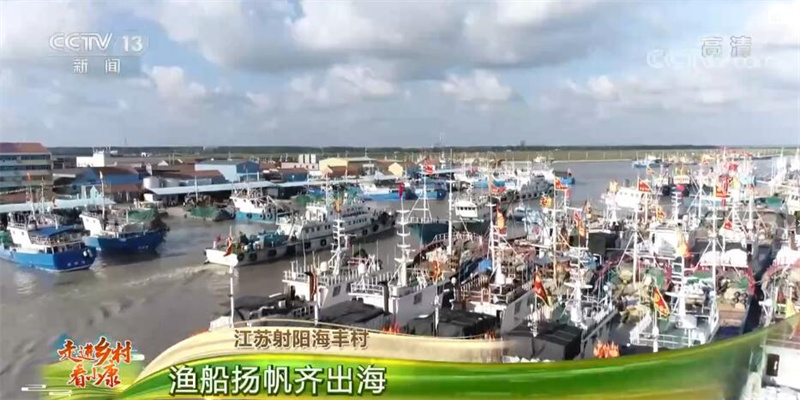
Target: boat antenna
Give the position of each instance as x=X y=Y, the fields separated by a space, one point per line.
x=450 y=217
x=103 y=197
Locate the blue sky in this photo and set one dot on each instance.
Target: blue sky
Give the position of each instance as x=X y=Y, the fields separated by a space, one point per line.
x=375 y=73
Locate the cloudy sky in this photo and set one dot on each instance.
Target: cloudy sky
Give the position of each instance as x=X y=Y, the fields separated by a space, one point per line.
x=409 y=73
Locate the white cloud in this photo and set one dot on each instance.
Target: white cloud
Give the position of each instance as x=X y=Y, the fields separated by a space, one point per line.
x=777 y=25
x=341 y=84
x=480 y=87
x=261 y=101
x=27 y=26
x=414 y=39
x=536 y=12
x=171 y=84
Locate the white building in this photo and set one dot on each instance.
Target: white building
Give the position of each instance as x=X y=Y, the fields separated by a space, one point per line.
x=305 y=161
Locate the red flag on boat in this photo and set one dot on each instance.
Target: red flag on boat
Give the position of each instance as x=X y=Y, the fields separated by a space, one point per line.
x=659 y=303
x=428 y=168
x=722 y=188
x=401 y=188
x=727 y=225
x=644 y=186
x=581 y=229
x=501 y=221
x=540 y=290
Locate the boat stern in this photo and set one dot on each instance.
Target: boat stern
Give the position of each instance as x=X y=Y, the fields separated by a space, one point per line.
x=218 y=257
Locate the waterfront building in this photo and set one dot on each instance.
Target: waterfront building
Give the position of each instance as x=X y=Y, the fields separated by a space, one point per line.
x=232 y=170
x=22 y=164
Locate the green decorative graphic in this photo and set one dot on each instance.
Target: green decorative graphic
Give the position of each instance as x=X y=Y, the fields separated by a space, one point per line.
x=714 y=371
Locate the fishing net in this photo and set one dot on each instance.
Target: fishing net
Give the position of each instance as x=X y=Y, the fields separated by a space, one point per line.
x=205 y=212
x=5 y=238
x=305 y=199
x=142 y=214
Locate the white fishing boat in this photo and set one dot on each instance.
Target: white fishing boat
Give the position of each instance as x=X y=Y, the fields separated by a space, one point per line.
x=253 y=205
x=408 y=291
x=305 y=233
x=309 y=288
x=315 y=224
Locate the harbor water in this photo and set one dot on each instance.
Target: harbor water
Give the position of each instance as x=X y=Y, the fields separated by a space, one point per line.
x=157 y=301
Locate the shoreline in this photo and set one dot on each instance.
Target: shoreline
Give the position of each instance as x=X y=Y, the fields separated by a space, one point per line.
x=591 y=161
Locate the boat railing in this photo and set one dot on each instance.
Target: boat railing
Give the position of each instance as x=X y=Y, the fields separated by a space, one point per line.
x=462 y=236
x=302 y=312
x=474 y=287
x=642 y=335
x=640 y=327
x=58 y=240
x=371 y=285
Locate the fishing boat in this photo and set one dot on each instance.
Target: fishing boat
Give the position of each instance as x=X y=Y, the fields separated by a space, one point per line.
x=412 y=289
x=528 y=186
x=253 y=205
x=309 y=288
x=422 y=222
x=650 y=161
x=203 y=207
x=472 y=211
x=566 y=177
x=369 y=191
x=38 y=241
x=111 y=233
x=316 y=223
x=299 y=234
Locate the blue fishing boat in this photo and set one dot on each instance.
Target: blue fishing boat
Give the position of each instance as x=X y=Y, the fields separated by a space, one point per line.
x=368 y=191
x=650 y=161
x=422 y=222
x=122 y=236
x=39 y=242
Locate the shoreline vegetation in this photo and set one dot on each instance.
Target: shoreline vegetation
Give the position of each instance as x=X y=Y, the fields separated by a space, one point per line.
x=508 y=153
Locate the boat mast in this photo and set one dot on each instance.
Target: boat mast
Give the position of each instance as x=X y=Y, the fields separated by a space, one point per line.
x=404 y=247
x=103 y=197
x=450 y=217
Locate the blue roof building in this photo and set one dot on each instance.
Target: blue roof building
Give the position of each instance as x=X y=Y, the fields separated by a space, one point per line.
x=232 y=170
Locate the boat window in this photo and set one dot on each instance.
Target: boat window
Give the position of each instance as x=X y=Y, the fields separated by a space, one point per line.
x=773 y=364
x=418 y=298
x=517 y=307
x=336 y=291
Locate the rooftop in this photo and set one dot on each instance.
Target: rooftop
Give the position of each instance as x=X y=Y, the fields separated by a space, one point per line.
x=114 y=170
x=28 y=147
x=222 y=162
x=188 y=174
x=50 y=231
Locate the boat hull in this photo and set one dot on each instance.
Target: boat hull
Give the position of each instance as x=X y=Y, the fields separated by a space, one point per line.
x=407 y=195
x=434 y=195
x=254 y=217
x=292 y=248
x=484 y=184
x=147 y=242
x=427 y=231
x=73 y=260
